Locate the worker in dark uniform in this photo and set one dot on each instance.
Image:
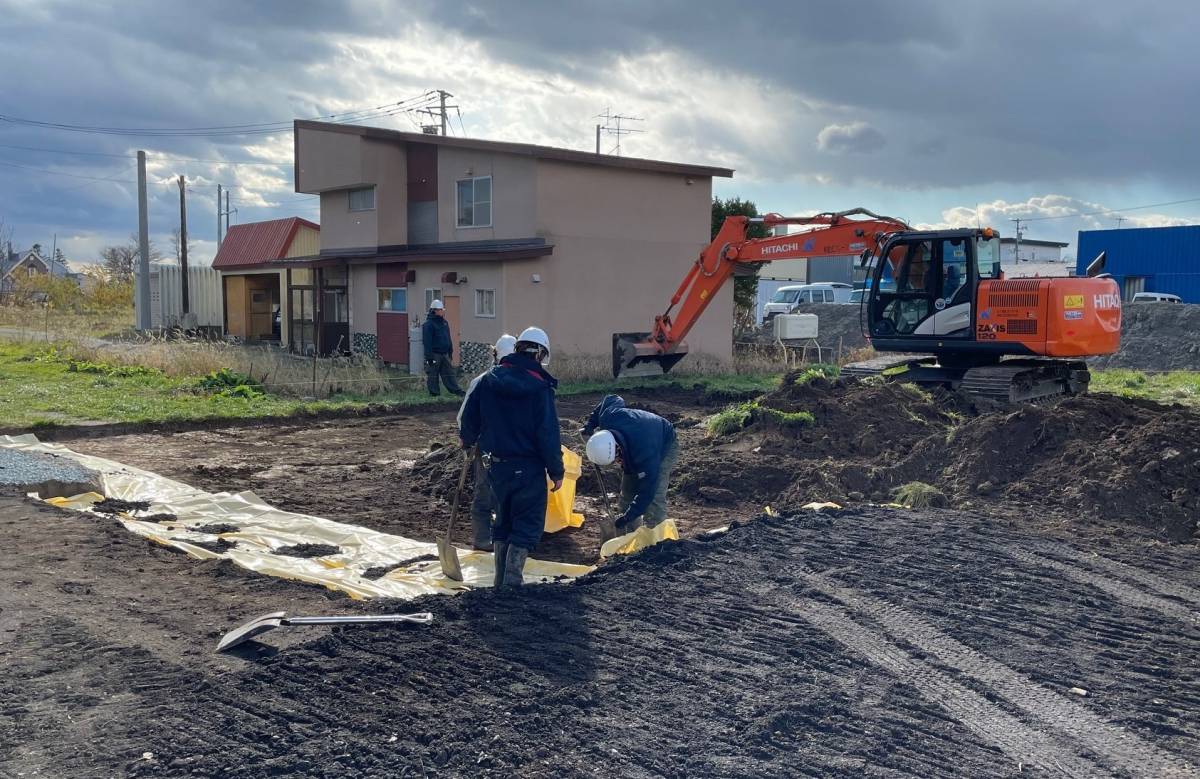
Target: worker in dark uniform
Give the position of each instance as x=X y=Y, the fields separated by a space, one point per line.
x=512 y=417
x=439 y=351
x=647 y=449
x=483 y=503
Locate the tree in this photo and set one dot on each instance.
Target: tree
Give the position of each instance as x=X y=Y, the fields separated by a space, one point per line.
x=121 y=261
x=745 y=282
x=175 y=246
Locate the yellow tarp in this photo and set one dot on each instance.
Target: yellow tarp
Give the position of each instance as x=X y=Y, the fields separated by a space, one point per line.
x=560 y=507
x=262 y=528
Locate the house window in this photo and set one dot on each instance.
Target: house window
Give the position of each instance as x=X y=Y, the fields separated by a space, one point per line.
x=485 y=303
x=394 y=299
x=432 y=295
x=475 y=202
x=362 y=199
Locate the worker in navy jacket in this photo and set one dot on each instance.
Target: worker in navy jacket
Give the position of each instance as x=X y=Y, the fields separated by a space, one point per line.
x=512 y=417
x=646 y=446
x=439 y=351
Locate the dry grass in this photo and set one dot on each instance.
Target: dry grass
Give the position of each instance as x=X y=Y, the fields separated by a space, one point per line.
x=278 y=372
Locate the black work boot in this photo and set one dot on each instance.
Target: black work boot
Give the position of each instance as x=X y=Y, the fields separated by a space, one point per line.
x=514 y=566
x=501 y=555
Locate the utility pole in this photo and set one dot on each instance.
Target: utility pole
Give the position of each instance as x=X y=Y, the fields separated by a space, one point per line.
x=143 y=284
x=218 y=217
x=1017 y=243
x=183 y=266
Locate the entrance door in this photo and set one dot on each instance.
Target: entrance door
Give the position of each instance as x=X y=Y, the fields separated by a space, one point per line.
x=453 y=317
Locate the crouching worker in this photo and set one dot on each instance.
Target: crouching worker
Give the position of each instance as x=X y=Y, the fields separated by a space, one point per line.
x=512 y=417
x=484 y=503
x=645 y=445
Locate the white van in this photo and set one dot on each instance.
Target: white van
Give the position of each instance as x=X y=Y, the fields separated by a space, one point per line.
x=786 y=299
x=1156 y=297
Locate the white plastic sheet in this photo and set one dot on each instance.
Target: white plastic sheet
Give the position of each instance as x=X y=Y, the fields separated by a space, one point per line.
x=263 y=528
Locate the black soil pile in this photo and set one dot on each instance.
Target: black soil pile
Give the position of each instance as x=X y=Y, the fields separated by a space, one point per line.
x=379 y=571
x=218 y=545
x=436 y=473
x=1157 y=337
x=217 y=528
x=1121 y=461
x=116 y=506
x=307 y=550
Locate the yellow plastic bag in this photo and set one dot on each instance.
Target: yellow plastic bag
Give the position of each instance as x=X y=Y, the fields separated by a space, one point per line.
x=640 y=539
x=560 y=506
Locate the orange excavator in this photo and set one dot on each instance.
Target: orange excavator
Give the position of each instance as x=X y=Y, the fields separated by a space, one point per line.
x=935 y=300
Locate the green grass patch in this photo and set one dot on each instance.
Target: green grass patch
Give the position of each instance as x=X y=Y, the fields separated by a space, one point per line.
x=47 y=386
x=919 y=495
x=741 y=416
x=1171 y=387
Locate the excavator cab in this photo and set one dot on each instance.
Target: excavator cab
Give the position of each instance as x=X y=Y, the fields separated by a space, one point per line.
x=924 y=285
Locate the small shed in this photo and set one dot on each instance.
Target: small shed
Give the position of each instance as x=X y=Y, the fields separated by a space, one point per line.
x=252 y=283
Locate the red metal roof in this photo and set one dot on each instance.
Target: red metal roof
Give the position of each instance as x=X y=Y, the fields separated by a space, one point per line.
x=258 y=243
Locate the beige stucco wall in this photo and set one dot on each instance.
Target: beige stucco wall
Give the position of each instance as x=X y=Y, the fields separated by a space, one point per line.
x=363 y=299
x=623 y=240
x=514 y=189
x=330 y=163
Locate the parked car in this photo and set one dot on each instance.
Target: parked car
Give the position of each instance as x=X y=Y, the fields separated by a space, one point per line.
x=1156 y=297
x=786 y=299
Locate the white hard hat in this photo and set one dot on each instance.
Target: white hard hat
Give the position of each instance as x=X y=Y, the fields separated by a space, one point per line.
x=536 y=335
x=436 y=304
x=602 y=448
x=505 y=345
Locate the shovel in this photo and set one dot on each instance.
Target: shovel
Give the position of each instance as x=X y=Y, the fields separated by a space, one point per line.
x=447 y=554
x=260 y=625
x=608 y=526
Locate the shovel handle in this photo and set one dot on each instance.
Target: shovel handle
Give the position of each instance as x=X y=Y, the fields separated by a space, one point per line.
x=423 y=618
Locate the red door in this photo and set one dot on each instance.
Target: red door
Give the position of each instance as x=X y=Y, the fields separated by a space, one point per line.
x=391 y=327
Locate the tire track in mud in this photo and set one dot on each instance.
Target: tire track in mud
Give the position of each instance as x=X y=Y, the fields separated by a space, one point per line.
x=1019 y=740
x=1159 y=584
x=1122 y=591
x=1119 y=748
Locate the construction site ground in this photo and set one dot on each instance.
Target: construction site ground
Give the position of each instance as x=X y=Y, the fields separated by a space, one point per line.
x=1040 y=617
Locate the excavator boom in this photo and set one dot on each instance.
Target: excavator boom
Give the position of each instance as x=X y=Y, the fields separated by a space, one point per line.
x=829 y=235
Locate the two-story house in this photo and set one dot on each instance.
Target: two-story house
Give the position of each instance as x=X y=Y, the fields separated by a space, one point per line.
x=506 y=234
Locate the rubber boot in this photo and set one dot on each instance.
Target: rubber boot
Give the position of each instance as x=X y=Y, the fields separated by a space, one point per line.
x=514 y=566
x=501 y=555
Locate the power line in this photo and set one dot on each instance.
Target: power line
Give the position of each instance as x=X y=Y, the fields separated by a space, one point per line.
x=261 y=128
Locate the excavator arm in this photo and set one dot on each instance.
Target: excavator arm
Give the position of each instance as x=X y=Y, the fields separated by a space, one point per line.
x=831 y=235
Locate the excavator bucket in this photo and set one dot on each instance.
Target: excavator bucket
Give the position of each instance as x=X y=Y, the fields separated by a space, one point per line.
x=634 y=354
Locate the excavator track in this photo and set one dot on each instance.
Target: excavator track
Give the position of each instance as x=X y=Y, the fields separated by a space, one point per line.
x=1022 y=381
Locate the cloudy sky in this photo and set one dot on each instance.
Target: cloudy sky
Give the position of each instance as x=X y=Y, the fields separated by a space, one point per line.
x=937 y=111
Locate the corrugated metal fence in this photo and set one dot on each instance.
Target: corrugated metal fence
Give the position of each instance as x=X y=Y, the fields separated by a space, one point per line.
x=204 y=296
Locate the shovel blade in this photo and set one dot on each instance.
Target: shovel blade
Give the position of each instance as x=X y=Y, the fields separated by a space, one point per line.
x=250 y=629
x=448 y=557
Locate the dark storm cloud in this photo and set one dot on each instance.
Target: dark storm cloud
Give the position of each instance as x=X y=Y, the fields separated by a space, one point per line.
x=913 y=95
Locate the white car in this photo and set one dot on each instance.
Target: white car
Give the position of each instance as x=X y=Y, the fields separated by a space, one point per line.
x=785 y=299
x=1156 y=297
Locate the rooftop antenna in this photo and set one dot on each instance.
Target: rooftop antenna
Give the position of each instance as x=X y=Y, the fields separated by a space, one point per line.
x=612 y=125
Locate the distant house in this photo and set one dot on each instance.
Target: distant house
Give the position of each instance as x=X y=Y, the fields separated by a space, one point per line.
x=507 y=235
x=253 y=281
x=15 y=265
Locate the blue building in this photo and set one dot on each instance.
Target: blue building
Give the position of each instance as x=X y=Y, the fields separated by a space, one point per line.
x=1147 y=259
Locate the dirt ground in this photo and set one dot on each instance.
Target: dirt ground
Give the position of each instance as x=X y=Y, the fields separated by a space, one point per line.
x=1044 y=625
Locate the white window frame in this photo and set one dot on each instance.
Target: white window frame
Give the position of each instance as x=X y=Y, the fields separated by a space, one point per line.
x=391 y=310
x=491 y=202
x=350 y=198
x=480 y=294
x=437 y=293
